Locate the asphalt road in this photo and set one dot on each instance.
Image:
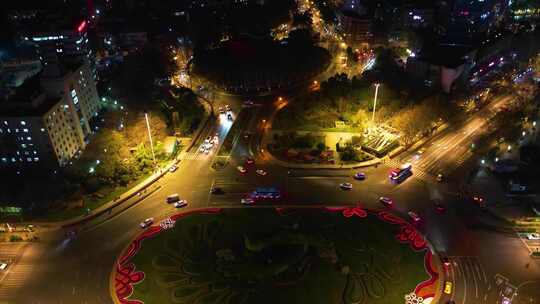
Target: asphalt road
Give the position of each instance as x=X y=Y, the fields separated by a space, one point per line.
x=77 y=271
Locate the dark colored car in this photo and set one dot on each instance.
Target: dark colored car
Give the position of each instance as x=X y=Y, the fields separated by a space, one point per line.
x=217 y=190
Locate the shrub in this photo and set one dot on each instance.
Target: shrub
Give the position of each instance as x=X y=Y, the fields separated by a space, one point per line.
x=15 y=238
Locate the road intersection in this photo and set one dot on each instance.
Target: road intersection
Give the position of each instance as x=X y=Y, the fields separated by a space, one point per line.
x=77 y=270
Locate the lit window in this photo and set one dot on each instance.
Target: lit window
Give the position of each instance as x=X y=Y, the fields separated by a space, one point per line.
x=23 y=145
x=23 y=122
x=29 y=159
x=13 y=159
x=42 y=130
x=25 y=130
x=5 y=122
x=4 y=159
x=29 y=138
x=16 y=130
x=36 y=159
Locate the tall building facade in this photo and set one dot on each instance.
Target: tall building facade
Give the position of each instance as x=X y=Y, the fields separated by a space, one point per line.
x=47 y=121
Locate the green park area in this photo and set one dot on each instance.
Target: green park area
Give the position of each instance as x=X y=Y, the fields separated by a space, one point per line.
x=265 y=256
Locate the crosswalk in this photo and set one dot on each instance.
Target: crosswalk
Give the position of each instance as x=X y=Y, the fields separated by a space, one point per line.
x=232 y=186
x=17 y=272
x=193 y=155
x=471 y=284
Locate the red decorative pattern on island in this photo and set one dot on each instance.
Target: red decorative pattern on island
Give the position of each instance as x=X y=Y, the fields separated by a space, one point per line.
x=125 y=275
x=355 y=211
x=409 y=234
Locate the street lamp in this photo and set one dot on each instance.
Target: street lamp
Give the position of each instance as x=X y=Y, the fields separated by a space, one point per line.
x=375 y=101
x=150 y=137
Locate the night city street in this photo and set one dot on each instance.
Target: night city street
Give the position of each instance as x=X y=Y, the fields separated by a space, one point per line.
x=260 y=151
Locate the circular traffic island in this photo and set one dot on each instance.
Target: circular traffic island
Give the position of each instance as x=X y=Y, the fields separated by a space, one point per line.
x=267 y=255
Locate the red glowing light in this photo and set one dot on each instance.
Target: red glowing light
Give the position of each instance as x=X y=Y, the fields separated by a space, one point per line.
x=81 y=26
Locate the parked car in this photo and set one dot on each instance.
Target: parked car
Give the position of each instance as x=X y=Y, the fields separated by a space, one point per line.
x=386 y=201
x=250 y=161
x=180 y=204
x=261 y=172
x=439 y=177
x=241 y=169
x=3 y=266
x=147 y=222
x=360 y=176
x=345 y=186
x=173 y=168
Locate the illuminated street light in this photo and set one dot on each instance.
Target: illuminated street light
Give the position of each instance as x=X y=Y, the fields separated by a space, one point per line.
x=483 y=162
x=509 y=148
x=150 y=137
x=375 y=101
x=496 y=159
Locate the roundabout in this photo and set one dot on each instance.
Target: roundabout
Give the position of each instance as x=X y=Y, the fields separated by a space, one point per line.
x=274 y=255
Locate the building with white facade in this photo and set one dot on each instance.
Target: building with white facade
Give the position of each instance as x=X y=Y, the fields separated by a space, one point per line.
x=48 y=120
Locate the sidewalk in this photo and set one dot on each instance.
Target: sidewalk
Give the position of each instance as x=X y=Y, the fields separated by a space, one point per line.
x=135 y=189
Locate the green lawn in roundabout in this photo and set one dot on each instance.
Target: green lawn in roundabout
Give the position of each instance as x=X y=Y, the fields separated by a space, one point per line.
x=267 y=255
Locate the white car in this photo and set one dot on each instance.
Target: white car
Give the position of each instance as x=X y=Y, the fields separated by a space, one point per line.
x=533 y=236
x=247 y=201
x=147 y=222
x=261 y=172
x=241 y=169
x=173 y=168
x=386 y=201
x=415 y=217
x=3 y=266
x=180 y=204
x=345 y=186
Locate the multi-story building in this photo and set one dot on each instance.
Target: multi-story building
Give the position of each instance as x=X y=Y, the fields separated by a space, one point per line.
x=14 y=72
x=75 y=83
x=465 y=21
x=46 y=122
x=55 y=35
x=356 y=28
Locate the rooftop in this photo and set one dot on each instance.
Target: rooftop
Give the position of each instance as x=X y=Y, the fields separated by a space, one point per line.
x=27 y=100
